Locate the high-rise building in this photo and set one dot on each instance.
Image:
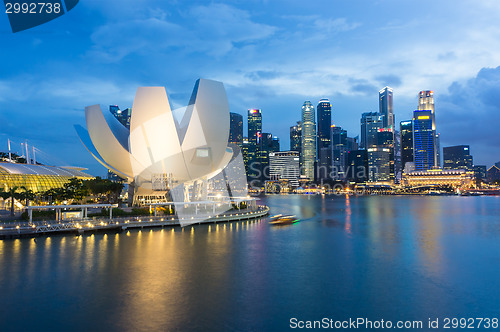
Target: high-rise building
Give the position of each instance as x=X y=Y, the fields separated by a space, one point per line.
x=276 y=144
x=397 y=157
x=426 y=103
x=437 y=143
x=236 y=129
x=122 y=116
x=323 y=144
x=379 y=164
x=480 y=172
x=114 y=110
x=244 y=151
x=267 y=143
x=285 y=166
x=308 y=156
x=406 y=134
x=371 y=122
x=254 y=135
x=352 y=143
x=296 y=137
x=493 y=174
x=457 y=157
x=339 y=152
x=357 y=165
x=324 y=122
x=423 y=140
x=381 y=157
x=386 y=108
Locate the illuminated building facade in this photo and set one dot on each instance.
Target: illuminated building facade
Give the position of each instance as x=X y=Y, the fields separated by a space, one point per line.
x=406 y=134
x=386 y=108
x=308 y=156
x=323 y=144
x=438 y=177
x=176 y=156
x=426 y=103
x=236 y=129
x=480 y=172
x=457 y=157
x=379 y=164
x=244 y=151
x=339 y=152
x=385 y=140
x=123 y=116
x=284 y=165
x=423 y=140
x=38 y=178
x=296 y=137
x=371 y=122
x=254 y=133
x=267 y=143
x=357 y=166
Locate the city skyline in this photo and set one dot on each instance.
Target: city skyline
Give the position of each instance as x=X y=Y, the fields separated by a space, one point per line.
x=267 y=56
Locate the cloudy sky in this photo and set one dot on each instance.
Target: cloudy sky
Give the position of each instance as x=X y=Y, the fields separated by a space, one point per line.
x=271 y=54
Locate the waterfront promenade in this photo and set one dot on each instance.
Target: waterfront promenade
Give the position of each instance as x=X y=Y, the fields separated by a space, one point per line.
x=34 y=228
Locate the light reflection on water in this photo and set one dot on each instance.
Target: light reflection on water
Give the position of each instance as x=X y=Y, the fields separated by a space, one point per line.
x=375 y=257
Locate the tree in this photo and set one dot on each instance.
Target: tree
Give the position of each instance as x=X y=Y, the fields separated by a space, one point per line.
x=27 y=195
x=12 y=194
x=104 y=187
x=75 y=189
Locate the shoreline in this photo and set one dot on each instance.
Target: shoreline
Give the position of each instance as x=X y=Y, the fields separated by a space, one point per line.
x=28 y=230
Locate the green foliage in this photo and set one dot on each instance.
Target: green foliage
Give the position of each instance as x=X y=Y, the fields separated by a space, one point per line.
x=104 y=188
x=140 y=212
x=40 y=215
x=120 y=213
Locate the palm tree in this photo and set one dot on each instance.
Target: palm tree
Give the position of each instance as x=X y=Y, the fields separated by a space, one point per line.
x=12 y=194
x=27 y=194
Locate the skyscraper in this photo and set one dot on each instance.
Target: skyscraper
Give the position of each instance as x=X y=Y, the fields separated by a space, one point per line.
x=371 y=122
x=244 y=150
x=296 y=137
x=381 y=157
x=386 y=108
x=122 y=116
x=357 y=165
x=308 y=155
x=406 y=132
x=323 y=144
x=324 y=112
x=426 y=103
x=339 y=152
x=457 y=157
x=285 y=166
x=267 y=143
x=254 y=134
x=423 y=140
x=236 y=129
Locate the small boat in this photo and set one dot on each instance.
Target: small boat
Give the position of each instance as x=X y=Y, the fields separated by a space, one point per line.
x=283 y=220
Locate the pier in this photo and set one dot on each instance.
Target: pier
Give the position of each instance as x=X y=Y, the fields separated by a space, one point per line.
x=80 y=226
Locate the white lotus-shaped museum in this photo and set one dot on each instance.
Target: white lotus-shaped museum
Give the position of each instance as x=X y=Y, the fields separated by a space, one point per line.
x=184 y=152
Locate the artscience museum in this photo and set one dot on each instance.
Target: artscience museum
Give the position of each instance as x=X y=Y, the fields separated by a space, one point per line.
x=167 y=155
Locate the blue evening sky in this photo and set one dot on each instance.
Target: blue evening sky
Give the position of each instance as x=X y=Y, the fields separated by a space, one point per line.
x=272 y=55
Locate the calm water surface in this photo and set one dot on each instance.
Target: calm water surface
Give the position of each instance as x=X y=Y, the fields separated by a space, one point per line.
x=391 y=258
